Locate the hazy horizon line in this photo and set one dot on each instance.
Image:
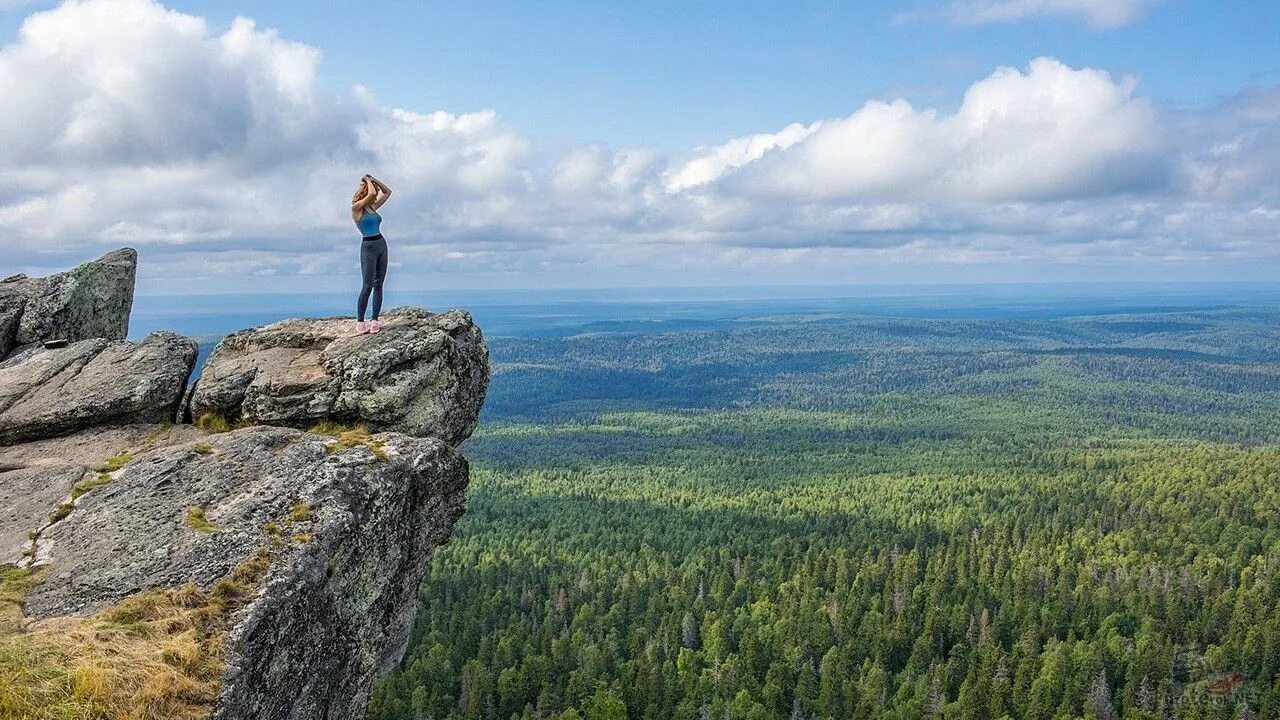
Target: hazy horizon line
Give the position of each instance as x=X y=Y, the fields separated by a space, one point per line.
x=1242 y=284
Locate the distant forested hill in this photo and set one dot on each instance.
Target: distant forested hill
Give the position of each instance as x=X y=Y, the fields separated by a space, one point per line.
x=830 y=515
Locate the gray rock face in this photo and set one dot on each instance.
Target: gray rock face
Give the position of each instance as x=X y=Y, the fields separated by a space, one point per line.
x=424 y=374
x=36 y=477
x=334 y=610
x=13 y=298
x=46 y=393
x=91 y=447
x=90 y=301
x=27 y=499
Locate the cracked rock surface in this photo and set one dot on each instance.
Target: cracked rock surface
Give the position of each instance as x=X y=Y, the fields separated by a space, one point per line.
x=356 y=526
x=50 y=392
x=425 y=374
x=28 y=497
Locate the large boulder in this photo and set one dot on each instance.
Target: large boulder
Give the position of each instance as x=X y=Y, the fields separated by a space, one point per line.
x=425 y=374
x=90 y=301
x=51 y=392
x=349 y=526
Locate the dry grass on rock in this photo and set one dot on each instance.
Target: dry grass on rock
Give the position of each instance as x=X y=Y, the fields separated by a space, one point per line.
x=157 y=655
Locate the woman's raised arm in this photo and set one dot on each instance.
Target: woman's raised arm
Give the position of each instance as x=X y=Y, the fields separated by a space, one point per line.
x=386 y=192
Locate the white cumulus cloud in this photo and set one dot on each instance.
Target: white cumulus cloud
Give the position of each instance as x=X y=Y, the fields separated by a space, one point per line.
x=707 y=164
x=219 y=154
x=122 y=82
x=1051 y=132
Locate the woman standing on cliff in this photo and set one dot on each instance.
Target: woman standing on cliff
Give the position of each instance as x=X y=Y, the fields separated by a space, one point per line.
x=370 y=196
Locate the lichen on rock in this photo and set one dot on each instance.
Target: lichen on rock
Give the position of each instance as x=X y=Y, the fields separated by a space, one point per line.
x=424 y=374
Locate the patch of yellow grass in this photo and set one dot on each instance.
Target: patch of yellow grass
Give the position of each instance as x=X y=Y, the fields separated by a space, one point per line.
x=204 y=448
x=62 y=511
x=85 y=486
x=359 y=435
x=197 y=521
x=114 y=463
x=213 y=423
x=329 y=427
x=378 y=448
x=154 y=656
x=349 y=436
x=14 y=584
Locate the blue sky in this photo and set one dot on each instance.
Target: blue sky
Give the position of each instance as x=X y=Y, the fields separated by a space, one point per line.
x=673 y=75
x=575 y=143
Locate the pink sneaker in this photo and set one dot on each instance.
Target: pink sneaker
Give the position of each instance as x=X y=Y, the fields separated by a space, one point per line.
x=375 y=326
x=361 y=328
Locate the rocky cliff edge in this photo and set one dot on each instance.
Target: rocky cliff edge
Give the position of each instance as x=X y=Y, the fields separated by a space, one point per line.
x=249 y=548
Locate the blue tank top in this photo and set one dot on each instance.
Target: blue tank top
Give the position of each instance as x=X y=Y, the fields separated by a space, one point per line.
x=370 y=223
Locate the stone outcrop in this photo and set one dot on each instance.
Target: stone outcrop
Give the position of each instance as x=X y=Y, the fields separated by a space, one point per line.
x=49 y=392
x=352 y=527
x=105 y=500
x=425 y=374
x=90 y=301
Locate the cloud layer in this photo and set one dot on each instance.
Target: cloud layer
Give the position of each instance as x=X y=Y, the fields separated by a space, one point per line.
x=1049 y=133
x=219 y=153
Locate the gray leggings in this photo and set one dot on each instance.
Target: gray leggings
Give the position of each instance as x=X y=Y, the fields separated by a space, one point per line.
x=373 y=269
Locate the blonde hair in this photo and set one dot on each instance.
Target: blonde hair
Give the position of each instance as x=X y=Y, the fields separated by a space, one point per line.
x=360 y=193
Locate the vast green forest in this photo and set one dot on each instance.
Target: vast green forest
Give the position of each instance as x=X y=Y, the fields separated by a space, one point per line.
x=844 y=516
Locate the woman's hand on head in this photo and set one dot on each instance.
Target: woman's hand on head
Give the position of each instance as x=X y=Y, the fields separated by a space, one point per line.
x=384 y=192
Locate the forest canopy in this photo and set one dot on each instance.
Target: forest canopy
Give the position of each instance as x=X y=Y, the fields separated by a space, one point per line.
x=841 y=516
